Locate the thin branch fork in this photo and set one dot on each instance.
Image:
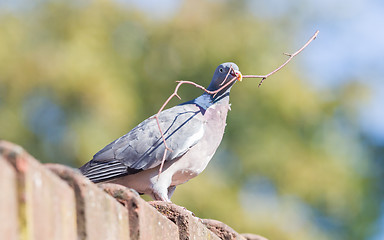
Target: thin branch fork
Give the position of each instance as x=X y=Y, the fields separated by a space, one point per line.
x=169 y=99
x=291 y=56
x=263 y=77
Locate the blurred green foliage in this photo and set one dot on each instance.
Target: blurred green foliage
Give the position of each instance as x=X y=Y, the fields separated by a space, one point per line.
x=76 y=75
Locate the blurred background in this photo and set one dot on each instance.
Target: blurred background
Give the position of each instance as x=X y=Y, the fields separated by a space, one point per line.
x=302 y=157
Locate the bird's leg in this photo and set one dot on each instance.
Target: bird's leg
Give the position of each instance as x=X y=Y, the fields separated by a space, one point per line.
x=160 y=197
x=160 y=188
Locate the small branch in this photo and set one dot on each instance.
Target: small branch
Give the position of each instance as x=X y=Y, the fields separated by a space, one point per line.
x=179 y=83
x=169 y=99
x=291 y=56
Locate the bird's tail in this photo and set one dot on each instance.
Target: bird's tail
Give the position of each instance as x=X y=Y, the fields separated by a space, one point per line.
x=103 y=171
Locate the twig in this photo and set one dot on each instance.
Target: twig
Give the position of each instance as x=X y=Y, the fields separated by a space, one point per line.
x=291 y=56
x=169 y=99
x=263 y=77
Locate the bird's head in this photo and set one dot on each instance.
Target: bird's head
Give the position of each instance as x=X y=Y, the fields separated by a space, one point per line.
x=224 y=73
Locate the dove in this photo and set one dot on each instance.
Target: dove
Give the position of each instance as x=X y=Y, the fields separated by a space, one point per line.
x=192 y=131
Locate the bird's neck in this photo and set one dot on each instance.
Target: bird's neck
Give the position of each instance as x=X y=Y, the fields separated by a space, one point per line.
x=206 y=100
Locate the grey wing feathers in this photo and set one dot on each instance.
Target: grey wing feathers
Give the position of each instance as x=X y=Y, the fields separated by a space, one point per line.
x=143 y=148
x=97 y=172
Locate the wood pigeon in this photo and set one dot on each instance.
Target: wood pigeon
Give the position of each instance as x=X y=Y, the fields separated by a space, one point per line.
x=193 y=130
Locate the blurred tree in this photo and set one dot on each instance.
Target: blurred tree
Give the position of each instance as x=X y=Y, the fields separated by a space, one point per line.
x=75 y=75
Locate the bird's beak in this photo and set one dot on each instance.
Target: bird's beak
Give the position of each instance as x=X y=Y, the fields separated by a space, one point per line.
x=238 y=75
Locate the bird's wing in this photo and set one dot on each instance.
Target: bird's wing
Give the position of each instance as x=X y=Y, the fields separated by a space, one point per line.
x=143 y=148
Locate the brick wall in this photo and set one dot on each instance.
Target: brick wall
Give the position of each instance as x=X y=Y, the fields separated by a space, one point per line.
x=52 y=201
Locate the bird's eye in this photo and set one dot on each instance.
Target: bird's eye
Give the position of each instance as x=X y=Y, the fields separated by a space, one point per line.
x=221 y=70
